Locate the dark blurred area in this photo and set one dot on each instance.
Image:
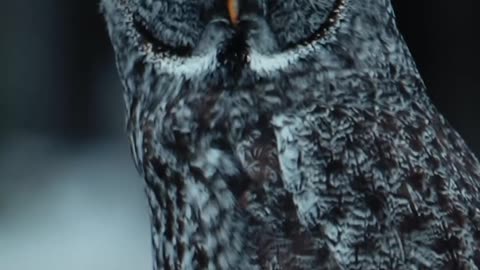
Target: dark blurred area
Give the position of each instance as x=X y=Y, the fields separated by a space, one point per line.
x=69 y=195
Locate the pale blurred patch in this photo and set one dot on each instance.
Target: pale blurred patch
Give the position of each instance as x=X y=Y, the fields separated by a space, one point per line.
x=64 y=207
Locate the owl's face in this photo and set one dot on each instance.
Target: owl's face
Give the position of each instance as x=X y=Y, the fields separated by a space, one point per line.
x=190 y=37
x=279 y=50
x=194 y=36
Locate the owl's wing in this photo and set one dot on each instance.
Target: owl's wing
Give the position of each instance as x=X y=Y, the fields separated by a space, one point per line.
x=352 y=187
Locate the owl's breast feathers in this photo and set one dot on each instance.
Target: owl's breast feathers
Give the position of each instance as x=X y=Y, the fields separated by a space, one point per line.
x=343 y=185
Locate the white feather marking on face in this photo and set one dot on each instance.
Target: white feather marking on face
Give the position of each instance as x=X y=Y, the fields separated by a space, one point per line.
x=266 y=64
x=187 y=67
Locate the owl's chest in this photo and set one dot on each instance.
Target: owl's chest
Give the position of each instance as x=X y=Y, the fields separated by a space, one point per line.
x=198 y=116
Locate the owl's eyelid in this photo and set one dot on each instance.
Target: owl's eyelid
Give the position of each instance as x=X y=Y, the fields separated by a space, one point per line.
x=158 y=46
x=330 y=24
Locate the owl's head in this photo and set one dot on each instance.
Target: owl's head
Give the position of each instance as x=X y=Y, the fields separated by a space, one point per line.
x=230 y=40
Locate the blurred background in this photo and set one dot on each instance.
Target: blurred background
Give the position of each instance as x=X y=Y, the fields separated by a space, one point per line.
x=70 y=197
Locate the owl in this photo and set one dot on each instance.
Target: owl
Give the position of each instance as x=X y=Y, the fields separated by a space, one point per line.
x=290 y=134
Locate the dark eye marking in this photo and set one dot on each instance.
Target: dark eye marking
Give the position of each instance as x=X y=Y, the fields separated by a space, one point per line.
x=327 y=27
x=158 y=46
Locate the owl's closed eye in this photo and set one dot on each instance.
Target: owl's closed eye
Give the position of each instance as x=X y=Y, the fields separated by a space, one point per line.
x=177 y=27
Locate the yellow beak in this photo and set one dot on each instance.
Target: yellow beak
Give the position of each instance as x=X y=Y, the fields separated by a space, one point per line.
x=233 y=11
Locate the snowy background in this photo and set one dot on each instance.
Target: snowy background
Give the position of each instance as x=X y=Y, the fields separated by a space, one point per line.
x=71 y=207
x=70 y=197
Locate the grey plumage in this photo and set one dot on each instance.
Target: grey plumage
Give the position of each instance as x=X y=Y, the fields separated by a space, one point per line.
x=301 y=138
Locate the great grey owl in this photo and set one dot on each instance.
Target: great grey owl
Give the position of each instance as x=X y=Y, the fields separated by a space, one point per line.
x=290 y=134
